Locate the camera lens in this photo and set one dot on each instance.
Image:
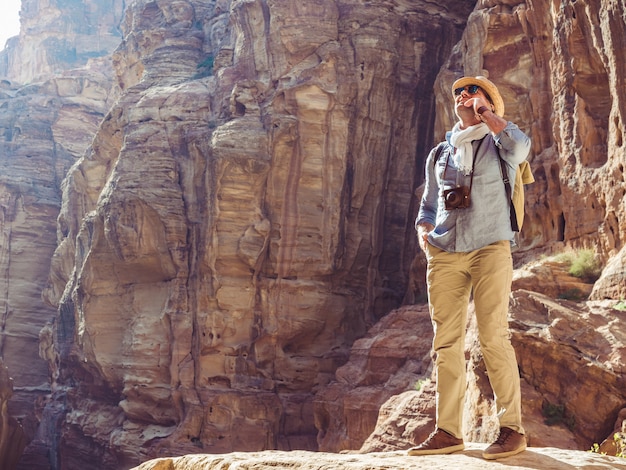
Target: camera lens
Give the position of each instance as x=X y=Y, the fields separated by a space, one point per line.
x=453 y=198
x=456 y=198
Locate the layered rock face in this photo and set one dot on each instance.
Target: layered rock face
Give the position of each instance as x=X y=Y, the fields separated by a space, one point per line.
x=44 y=129
x=244 y=212
x=45 y=126
x=222 y=240
x=58 y=35
x=392 y=358
x=12 y=437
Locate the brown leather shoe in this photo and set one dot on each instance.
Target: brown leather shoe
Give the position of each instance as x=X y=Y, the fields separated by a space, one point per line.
x=439 y=442
x=509 y=443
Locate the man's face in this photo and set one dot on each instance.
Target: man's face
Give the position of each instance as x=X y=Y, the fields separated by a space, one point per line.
x=468 y=92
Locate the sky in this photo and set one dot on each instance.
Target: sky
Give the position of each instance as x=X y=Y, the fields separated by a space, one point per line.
x=9 y=20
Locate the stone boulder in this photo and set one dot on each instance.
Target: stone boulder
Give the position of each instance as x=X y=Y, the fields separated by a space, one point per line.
x=393 y=357
x=551 y=277
x=612 y=284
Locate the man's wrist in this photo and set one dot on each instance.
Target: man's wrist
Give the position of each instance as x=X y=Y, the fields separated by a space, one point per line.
x=483 y=113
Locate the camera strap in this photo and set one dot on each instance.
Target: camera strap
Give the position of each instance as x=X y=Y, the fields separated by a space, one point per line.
x=443 y=177
x=503 y=171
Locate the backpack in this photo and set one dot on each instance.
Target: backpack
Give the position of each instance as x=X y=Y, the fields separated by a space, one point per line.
x=524 y=175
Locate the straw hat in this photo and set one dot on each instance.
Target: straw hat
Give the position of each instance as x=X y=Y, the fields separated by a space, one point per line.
x=487 y=86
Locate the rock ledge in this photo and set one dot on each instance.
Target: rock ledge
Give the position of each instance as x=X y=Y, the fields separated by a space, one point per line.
x=470 y=458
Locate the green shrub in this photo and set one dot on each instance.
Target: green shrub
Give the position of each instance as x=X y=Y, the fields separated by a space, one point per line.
x=621 y=305
x=583 y=264
x=620 y=446
x=595 y=449
x=586 y=266
x=421 y=383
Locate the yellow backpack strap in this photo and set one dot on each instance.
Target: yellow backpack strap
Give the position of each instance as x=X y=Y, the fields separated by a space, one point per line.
x=524 y=175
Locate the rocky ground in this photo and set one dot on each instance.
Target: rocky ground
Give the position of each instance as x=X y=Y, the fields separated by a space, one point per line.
x=533 y=458
x=206 y=225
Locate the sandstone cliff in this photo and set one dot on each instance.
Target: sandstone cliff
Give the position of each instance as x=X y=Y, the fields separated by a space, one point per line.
x=222 y=242
x=45 y=127
x=243 y=213
x=59 y=35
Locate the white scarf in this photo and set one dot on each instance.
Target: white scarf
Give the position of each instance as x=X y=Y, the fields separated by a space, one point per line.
x=461 y=140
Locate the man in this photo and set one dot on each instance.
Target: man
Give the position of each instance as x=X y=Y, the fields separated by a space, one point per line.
x=464 y=227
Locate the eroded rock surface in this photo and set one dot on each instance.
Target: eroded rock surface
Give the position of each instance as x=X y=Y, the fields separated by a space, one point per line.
x=44 y=128
x=540 y=457
x=12 y=437
x=221 y=243
x=393 y=357
x=558 y=343
x=59 y=35
x=243 y=213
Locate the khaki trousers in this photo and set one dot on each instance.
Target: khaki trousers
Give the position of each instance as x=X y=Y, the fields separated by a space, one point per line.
x=451 y=278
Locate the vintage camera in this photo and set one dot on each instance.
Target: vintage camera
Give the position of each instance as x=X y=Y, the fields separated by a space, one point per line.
x=457 y=198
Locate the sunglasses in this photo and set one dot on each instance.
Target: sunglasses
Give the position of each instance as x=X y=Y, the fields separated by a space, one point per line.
x=471 y=89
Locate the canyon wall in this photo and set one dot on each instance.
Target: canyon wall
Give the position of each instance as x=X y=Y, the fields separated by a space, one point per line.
x=220 y=223
x=47 y=122
x=560 y=69
x=60 y=35
x=44 y=129
x=222 y=239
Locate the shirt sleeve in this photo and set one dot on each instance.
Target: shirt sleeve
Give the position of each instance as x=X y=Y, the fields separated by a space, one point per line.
x=428 y=205
x=514 y=145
